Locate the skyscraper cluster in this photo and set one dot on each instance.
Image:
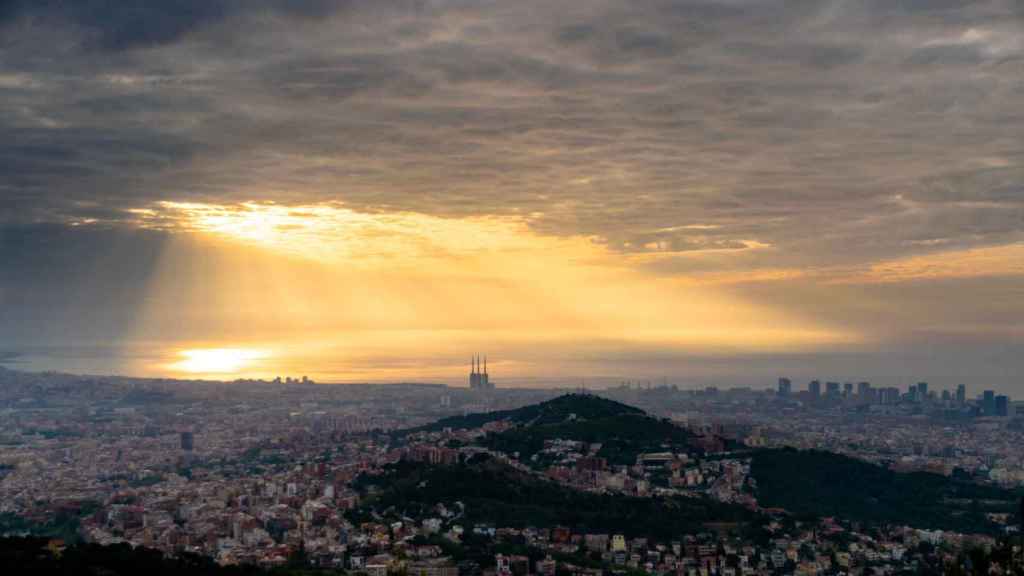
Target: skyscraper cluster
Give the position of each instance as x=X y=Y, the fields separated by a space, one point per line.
x=988 y=404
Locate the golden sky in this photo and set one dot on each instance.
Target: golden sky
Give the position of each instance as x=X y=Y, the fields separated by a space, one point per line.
x=263 y=289
x=290 y=283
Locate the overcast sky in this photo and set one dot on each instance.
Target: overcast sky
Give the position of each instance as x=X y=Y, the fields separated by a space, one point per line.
x=734 y=189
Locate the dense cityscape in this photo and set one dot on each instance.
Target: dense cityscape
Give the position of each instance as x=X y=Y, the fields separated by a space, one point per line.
x=253 y=473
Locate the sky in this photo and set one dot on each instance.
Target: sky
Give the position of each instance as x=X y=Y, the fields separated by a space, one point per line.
x=707 y=192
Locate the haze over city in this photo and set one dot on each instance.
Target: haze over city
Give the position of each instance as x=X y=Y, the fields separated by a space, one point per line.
x=693 y=192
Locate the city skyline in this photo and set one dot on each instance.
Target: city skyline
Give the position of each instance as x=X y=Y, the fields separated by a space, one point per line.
x=286 y=472
x=706 y=192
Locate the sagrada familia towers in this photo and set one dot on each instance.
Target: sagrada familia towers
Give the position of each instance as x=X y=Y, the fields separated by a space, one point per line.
x=478 y=379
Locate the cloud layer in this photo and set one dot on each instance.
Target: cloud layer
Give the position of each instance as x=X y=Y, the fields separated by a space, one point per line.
x=879 y=126
x=828 y=143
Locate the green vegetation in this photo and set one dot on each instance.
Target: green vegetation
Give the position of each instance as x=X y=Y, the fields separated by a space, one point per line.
x=52 y=434
x=493 y=493
x=814 y=483
x=258 y=460
x=557 y=410
x=151 y=480
x=481 y=550
x=981 y=561
x=623 y=431
x=622 y=437
x=63 y=526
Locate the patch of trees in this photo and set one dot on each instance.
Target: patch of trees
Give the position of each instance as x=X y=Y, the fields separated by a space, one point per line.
x=816 y=484
x=494 y=494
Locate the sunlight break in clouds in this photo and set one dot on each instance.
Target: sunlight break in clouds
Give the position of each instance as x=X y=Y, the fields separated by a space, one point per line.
x=323 y=282
x=563 y=179
x=331 y=232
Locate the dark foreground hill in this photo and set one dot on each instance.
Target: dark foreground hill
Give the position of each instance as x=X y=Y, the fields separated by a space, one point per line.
x=496 y=494
x=35 y=556
x=819 y=484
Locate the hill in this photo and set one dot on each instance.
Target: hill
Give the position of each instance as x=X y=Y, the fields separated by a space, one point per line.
x=815 y=483
x=623 y=437
x=623 y=431
x=496 y=494
x=557 y=410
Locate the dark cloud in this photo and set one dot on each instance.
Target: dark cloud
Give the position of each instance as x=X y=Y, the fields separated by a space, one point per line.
x=334 y=79
x=942 y=56
x=920 y=6
x=575 y=33
x=116 y=25
x=634 y=42
x=1002 y=187
x=822 y=56
x=804 y=126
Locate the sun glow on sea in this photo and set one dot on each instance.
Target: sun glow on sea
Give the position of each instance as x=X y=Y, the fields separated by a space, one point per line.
x=217 y=360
